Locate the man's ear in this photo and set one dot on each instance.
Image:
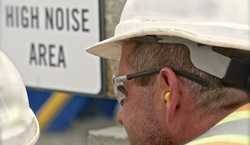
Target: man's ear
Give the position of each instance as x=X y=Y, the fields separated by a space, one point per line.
x=171 y=82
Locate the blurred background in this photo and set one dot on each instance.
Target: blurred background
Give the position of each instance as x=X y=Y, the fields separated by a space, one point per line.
x=45 y=40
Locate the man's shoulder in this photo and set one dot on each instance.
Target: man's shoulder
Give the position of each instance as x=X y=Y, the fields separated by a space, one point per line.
x=232 y=130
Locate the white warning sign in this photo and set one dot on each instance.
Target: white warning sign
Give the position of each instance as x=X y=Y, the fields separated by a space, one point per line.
x=47 y=39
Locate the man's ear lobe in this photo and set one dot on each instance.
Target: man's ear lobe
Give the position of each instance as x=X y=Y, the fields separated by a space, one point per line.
x=171 y=81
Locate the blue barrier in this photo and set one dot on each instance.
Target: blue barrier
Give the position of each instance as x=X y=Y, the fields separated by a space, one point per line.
x=73 y=108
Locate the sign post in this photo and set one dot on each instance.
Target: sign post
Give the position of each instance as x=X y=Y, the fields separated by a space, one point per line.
x=46 y=39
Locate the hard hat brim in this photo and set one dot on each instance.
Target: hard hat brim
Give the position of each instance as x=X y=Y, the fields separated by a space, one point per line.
x=31 y=135
x=35 y=131
x=27 y=136
x=110 y=48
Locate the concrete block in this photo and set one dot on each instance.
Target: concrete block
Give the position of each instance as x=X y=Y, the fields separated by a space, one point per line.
x=115 y=135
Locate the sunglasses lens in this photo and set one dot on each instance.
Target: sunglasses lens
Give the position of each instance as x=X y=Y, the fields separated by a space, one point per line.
x=119 y=89
x=122 y=90
x=120 y=93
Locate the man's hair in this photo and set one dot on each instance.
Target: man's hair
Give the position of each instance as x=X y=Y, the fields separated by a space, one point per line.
x=150 y=55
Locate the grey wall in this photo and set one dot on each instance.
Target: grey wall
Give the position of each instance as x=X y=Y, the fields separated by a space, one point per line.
x=112 y=11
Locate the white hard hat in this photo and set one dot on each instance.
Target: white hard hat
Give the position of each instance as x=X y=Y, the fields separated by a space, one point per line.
x=222 y=23
x=18 y=124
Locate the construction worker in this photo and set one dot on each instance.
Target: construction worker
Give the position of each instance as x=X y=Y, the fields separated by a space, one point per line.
x=18 y=124
x=184 y=73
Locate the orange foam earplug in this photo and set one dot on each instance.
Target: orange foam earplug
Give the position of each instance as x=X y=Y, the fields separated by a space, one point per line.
x=167 y=97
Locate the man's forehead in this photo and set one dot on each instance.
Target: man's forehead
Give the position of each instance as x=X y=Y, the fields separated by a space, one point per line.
x=127 y=46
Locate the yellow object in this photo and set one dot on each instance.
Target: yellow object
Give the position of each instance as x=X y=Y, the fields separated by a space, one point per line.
x=223 y=139
x=167 y=97
x=51 y=107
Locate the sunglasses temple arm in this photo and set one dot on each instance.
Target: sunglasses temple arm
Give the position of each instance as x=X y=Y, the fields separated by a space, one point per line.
x=144 y=73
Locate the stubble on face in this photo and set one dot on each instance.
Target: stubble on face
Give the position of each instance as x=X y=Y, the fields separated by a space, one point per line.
x=140 y=118
x=147 y=130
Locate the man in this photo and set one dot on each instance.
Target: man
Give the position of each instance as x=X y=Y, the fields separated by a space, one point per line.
x=18 y=124
x=184 y=71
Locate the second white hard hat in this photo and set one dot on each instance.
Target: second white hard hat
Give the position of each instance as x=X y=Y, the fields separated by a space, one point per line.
x=18 y=124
